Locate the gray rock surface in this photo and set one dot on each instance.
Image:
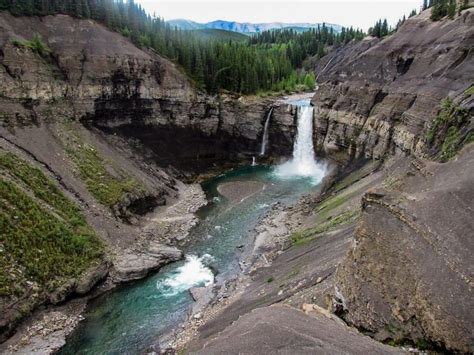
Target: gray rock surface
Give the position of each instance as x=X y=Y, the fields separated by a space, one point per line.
x=280 y=329
x=101 y=78
x=377 y=97
x=133 y=266
x=409 y=274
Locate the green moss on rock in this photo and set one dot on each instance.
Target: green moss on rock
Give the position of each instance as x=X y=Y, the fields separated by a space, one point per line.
x=307 y=235
x=449 y=131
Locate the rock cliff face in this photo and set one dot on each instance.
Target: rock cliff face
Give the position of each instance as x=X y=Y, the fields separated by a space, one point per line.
x=99 y=77
x=378 y=97
x=409 y=274
x=407 y=277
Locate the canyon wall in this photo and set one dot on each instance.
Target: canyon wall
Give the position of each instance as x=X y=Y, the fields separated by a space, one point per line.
x=407 y=277
x=101 y=78
x=378 y=97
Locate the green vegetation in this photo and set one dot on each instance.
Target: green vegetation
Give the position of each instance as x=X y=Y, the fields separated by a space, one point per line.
x=331 y=203
x=213 y=34
x=294 y=272
x=380 y=29
x=270 y=279
x=442 y=8
x=469 y=91
x=448 y=132
x=36 y=44
x=300 y=45
x=107 y=183
x=265 y=62
x=307 y=235
x=42 y=188
x=44 y=239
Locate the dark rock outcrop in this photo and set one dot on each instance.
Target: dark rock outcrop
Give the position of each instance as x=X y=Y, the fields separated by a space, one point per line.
x=101 y=78
x=144 y=121
x=408 y=276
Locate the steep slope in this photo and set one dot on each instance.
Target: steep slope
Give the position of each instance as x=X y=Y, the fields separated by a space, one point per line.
x=408 y=276
x=99 y=77
x=379 y=97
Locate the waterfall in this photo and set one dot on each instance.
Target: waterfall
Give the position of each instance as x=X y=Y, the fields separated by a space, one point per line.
x=303 y=163
x=254 y=162
x=265 y=132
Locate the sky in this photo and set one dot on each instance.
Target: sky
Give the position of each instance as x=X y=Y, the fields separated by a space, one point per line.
x=357 y=13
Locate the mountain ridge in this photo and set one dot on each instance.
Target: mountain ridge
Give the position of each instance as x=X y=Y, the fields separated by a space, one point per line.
x=246 y=27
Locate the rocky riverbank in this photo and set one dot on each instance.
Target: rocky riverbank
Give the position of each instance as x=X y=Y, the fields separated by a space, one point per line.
x=216 y=305
x=46 y=331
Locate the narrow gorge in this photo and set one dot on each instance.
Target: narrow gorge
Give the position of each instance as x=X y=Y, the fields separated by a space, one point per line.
x=141 y=213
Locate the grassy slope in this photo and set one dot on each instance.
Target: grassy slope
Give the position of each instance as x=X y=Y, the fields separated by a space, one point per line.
x=44 y=238
x=106 y=182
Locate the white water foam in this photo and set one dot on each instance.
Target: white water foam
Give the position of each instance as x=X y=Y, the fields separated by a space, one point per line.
x=303 y=163
x=192 y=273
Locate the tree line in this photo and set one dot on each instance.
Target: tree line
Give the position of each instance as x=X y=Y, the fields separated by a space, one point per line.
x=267 y=62
x=301 y=45
x=443 y=8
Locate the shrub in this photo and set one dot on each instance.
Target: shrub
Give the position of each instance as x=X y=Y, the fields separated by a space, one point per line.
x=449 y=130
x=37 y=45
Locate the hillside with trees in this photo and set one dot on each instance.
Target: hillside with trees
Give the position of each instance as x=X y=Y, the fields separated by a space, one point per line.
x=269 y=63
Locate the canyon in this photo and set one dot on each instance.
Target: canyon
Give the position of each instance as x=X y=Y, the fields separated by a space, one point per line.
x=383 y=246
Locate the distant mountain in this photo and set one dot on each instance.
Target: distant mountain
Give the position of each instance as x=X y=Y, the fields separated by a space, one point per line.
x=246 y=27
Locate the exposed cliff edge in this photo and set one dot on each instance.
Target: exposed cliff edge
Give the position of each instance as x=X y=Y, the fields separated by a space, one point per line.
x=101 y=78
x=117 y=128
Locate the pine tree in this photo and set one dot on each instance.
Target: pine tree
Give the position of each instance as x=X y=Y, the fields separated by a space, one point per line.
x=267 y=61
x=452 y=9
x=384 y=28
x=439 y=9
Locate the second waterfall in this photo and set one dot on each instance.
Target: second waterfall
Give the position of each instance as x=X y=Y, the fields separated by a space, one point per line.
x=303 y=162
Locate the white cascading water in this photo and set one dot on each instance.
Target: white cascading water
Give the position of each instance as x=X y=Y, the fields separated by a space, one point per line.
x=263 y=147
x=303 y=163
x=193 y=272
